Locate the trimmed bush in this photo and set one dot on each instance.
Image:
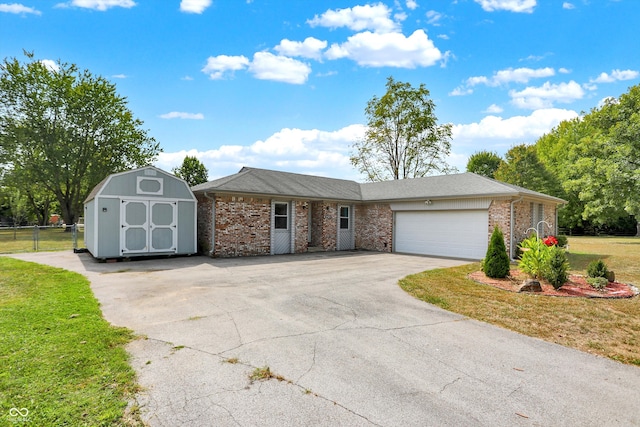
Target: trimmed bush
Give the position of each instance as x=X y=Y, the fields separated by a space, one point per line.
x=562 y=240
x=496 y=261
x=597 y=269
x=557 y=267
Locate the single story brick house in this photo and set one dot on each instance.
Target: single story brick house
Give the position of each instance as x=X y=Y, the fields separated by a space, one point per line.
x=266 y=212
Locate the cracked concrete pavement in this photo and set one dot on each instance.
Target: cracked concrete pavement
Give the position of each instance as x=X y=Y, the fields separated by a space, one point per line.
x=347 y=345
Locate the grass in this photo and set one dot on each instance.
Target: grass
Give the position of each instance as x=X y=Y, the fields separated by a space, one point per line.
x=607 y=327
x=60 y=359
x=49 y=239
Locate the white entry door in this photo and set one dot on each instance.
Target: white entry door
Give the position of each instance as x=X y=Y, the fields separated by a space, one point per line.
x=345 y=229
x=281 y=228
x=148 y=226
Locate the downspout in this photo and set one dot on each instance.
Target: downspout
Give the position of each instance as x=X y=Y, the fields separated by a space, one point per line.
x=511 y=226
x=213 y=223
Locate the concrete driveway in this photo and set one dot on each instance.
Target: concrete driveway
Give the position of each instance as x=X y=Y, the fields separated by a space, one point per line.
x=347 y=345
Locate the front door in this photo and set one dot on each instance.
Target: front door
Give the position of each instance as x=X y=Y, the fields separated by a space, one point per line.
x=148 y=226
x=281 y=228
x=345 y=228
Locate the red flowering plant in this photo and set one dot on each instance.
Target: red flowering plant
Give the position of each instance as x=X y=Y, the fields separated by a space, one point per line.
x=550 y=241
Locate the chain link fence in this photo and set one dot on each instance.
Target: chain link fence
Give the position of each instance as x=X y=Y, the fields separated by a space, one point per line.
x=40 y=238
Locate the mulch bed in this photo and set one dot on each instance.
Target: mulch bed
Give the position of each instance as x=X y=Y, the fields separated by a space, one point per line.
x=577 y=286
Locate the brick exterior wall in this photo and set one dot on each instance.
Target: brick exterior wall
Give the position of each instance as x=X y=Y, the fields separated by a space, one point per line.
x=500 y=216
x=243 y=224
x=301 y=225
x=204 y=224
x=374 y=227
x=328 y=226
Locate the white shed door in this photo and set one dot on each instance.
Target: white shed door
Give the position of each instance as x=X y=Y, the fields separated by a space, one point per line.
x=456 y=234
x=148 y=226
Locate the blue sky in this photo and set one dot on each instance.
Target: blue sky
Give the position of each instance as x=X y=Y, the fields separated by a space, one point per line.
x=283 y=84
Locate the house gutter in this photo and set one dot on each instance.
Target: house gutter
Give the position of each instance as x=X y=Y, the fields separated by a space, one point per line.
x=511 y=223
x=213 y=222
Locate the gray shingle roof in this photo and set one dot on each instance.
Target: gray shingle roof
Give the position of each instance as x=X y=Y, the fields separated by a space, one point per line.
x=275 y=183
x=284 y=184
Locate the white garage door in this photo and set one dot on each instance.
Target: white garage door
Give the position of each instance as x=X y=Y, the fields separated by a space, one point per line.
x=456 y=234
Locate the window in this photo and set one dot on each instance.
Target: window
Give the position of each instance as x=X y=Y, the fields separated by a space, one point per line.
x=344 y=217
x=537 y=215
x=281 y=216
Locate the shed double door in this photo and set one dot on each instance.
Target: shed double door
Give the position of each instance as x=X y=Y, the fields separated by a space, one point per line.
x=148 y=226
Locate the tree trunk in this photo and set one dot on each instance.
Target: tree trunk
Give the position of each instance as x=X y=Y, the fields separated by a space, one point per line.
x=637 y=228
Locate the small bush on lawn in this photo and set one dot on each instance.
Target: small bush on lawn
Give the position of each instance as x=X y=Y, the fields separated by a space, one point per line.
x=597 y=269
x=562 y=240
x=598 y=283
x=556 y=271
x=496 y=261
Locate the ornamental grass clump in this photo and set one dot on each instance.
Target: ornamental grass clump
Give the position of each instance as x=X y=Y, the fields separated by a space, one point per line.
x=496 y=260
x=535 y=255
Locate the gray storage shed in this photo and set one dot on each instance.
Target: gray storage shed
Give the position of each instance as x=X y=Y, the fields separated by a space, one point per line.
x=141 y=212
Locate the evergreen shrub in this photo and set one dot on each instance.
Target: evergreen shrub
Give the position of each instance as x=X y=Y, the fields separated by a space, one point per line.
x=496 y=261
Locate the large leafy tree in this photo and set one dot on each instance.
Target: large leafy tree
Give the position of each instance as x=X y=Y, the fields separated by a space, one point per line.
x=403 y=138
x=607 y=164
x=192 y=170
x=484 y=163
x=66 y=130
x=523 y=167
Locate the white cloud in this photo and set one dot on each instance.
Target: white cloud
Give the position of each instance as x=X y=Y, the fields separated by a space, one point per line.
x=119 y=76
x=519 y=128
x=616 y=75
x=434 y=17
x=388 y=50
x=568 y=6
x=412 y=4
x=564 y=70
x=443 y=36
x=218 y=66
x=311 y=151
x=494 y=109
x=187 y=78
x=18 y=9
x=100 y=5
x=51 y=65
x=525 y=6
x=194 y=6
x=518 y=75
x=374 y=17
x=309 y=48
x=267 y=66
x=182 y=115
x=546 y=95
x=461 y=91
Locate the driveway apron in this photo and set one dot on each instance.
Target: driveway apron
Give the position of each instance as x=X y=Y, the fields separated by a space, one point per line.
x=343 y=344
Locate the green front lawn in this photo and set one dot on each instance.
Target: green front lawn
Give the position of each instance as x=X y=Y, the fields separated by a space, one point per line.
x=61 y=362
x=606 y=327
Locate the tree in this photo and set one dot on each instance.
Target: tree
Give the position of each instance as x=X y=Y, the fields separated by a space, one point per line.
x=523 y=168
x=403 y=138
x=192 y=170
x=67 y=129
x=484 y=163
